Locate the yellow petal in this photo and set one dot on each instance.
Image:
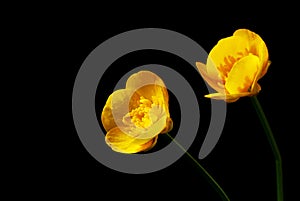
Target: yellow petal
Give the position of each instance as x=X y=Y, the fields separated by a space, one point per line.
x=220 y=96
x=118 y=104
x=257 y=47
x=169 y=126
x=143 y=78
x=159 y=118
x=225 y=54
x=107 y=118
x=228 y=97
x=123 y=143
x=212 y=80
x=148 y=84
x=150 y=144
x=242 y=75
x=264 y=70
x=151 y=86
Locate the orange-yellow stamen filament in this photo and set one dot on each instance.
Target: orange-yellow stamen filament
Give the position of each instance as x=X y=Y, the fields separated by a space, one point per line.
x=140 y=116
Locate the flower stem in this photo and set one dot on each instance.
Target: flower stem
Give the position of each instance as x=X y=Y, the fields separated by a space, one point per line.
x=275 y=150
x=211 y=180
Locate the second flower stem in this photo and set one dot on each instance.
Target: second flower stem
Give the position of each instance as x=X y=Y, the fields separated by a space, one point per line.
x=273 y=144
x=211 y=180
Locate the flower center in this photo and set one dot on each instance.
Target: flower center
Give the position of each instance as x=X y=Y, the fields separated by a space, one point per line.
x=142 y=116
x=146 y=113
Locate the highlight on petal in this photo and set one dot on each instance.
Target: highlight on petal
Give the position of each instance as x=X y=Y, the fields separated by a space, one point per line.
x=123 y=143
x=241 y=77
x=219 y=96
x=227 y=97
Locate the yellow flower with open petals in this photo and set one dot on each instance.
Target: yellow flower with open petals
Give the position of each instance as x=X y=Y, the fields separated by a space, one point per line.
x=134 y=117
x=234 y=66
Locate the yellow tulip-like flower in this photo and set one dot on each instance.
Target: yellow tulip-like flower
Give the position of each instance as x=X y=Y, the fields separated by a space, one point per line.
x=234 y=66
x=134 y=117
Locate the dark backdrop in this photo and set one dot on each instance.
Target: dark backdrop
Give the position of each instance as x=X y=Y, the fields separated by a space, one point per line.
x=242 y=161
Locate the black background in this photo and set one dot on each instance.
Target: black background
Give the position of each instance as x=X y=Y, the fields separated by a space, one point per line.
x=241 y=162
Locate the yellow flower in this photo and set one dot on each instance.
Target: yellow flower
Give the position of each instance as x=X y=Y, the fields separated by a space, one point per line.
x=134 y=117
x=234 y=66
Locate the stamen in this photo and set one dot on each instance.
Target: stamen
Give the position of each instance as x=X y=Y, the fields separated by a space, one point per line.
x=140 y=115
x=229 y=61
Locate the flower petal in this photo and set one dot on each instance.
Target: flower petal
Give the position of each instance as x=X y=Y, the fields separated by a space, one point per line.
x=148 y=84
x=257 y=47
x=160 y=118
x=242 y=75
x=228 y=97
x=152 y=87
x=123 y=143
x=220 y=96
x=118 y=104
x=107 y=118
x=213 y=80
x=224 y=54
x=169 y=126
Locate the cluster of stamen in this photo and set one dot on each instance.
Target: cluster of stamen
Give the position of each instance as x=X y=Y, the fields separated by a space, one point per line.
x=140 y=116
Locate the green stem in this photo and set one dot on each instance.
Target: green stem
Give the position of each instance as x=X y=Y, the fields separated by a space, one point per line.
x=211 y=180
x=271 y=139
